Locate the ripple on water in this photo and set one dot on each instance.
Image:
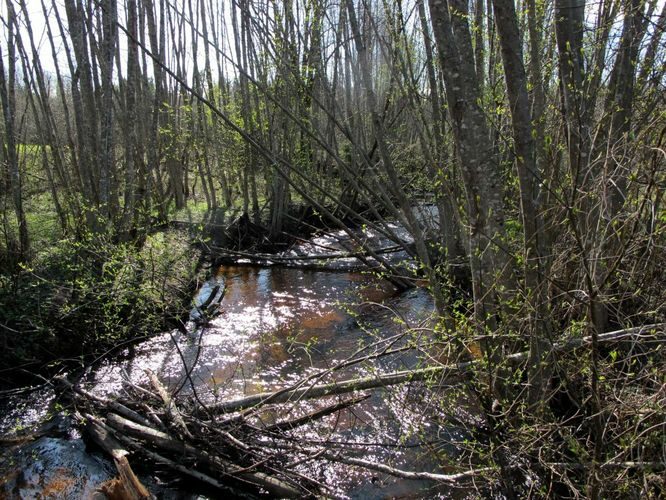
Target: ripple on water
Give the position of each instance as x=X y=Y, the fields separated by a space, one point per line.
x=278 y=325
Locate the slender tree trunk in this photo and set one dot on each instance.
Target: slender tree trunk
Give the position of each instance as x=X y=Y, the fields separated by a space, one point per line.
x=395 y=184
x=245 y=102
x=86 y=109
x=569 y=33
x=10 y=152
x=132 y=87
x=528 y=177
x=450 y=230
x=619 y=104
x=107 y=175
x=153 y=177
x=36 y=89
x=649 y=75
x=479 y=165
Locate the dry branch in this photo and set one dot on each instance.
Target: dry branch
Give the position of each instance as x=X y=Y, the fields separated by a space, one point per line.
x=651 y=333
x=160 y=458
x=315 y=415
x=334 y=388
x=265 y=257
x=431 y=476
x=165 y=442
x=116 y=406
x=127 y=486
x=170 y=406
x=207 y=449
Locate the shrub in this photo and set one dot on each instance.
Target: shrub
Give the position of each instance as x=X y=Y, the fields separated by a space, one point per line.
x=83 y=297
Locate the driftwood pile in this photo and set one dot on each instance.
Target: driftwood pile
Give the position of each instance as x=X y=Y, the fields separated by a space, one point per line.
x=220 y=450
x=223 y=446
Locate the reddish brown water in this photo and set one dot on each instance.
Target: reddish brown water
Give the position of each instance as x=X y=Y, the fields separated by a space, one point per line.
x=276 y=325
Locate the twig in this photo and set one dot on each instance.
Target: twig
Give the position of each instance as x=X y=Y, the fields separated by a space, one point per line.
x=448 y=478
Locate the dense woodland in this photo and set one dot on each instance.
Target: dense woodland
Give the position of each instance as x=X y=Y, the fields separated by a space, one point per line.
x=536 y=129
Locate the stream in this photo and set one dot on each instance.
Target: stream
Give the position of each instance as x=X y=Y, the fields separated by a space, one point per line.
x=274 y=326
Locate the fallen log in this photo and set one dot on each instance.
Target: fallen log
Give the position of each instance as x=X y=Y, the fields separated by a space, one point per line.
x=417 y=375
x=127 y=486
x=165 y=442
x=171 y=408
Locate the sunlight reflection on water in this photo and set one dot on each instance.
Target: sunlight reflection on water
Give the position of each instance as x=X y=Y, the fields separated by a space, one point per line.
x=276 y=325
x=270 y=326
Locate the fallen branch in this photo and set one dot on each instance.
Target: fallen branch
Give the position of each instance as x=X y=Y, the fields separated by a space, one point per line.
x=161 y=459
x=127 y=486
x=113 y=405
x=332 y=389
x=315 y=415
x=265 y=257
x=416 y=375
x=207 y=449
x=431 y=476
x=169 y=404
x=165 y=442
x=609 y=465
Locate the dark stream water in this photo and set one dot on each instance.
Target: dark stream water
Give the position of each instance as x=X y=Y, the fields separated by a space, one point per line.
x=274 y=326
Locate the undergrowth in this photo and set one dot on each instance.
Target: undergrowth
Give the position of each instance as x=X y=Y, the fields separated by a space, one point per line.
x=78 y=298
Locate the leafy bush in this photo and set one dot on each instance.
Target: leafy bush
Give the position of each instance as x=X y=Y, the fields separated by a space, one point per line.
x=82 y=297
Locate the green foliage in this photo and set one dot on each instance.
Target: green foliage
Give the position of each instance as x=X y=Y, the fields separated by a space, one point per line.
x=81 y=297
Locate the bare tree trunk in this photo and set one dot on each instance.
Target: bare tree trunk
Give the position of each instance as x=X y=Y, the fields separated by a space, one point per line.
x=107 y=176
x=450 y=229
x=408 y=84
x=569 y=33
x=479 y=166
x=133 y=85
x=528 y=177
x=85 y=109
x=153 y=178
x=395 y=185
x=620 y=101
x=9 y=150
x=70 y=181
x=245 y=102
x=650 y=75
x=35 y=88
x=479 y=42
